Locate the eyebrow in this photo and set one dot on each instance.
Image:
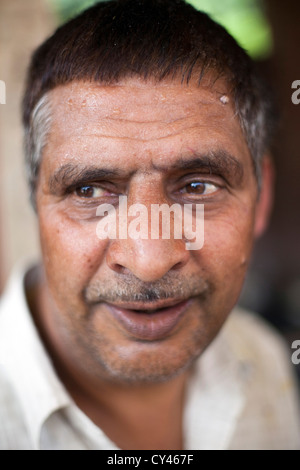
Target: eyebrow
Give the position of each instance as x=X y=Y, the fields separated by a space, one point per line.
x=218 y=162
x=70 y=175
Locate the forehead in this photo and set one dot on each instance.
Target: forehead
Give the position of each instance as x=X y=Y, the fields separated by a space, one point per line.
x=163 y=117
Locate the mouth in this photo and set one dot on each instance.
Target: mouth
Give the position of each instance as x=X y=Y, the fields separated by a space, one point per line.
x=149 y=322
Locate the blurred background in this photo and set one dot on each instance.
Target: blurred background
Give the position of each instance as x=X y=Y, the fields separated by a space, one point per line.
x=269 y=31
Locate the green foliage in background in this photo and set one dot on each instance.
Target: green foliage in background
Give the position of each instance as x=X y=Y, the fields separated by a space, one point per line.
x=244 y=19
x=66 y=9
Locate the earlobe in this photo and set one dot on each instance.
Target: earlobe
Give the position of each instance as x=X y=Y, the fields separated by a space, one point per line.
x=265 y=200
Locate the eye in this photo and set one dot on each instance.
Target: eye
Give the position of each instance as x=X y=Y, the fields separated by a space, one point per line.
x=89 y=191
x=199 y=188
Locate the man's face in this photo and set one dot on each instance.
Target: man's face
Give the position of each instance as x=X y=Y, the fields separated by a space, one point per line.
x=142 y=310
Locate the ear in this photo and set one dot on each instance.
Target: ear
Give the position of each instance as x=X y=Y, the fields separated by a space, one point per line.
x=265 y=200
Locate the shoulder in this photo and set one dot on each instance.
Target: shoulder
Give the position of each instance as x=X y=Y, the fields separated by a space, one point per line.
x=13 y=325
x=13 y=432
x=258 y=344
x=253 y=339
x=271 y=416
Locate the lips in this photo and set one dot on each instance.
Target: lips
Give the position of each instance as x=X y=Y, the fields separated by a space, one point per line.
x=147 y=321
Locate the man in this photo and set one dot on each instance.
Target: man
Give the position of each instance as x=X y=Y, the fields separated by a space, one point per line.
x=133 y=342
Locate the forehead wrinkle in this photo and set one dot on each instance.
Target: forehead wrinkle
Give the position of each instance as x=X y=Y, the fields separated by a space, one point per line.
x=107 y=101
x=145 y=121
x=124 y=137
x=140 y=115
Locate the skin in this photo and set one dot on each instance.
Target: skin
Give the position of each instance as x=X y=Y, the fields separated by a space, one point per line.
x=124 y=383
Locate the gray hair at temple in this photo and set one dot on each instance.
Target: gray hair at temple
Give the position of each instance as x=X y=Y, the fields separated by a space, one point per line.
x=155 y=39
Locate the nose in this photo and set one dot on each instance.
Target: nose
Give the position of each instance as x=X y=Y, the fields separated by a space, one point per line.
x=152 y=255
x=148 y=260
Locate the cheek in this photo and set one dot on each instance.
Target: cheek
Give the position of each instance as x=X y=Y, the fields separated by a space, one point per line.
x=227 y=248
x=71 y=252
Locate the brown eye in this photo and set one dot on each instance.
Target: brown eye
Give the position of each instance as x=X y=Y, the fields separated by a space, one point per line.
x=89 y=192
x=195 y=188
x=200 y=188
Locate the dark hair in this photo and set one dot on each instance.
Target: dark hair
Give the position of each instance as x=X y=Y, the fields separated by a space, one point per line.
x=148 y=38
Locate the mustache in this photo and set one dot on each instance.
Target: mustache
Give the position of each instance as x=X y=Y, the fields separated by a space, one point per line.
x=131 y=289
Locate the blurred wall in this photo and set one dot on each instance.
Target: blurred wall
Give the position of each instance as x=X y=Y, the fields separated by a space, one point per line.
x=273 y=286
x=23 y=25
x=284 y=69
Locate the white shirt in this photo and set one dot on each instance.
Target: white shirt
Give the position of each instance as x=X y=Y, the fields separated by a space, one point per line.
x=241 y=394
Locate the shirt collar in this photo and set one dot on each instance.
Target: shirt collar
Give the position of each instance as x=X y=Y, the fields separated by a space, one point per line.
x=26 y=361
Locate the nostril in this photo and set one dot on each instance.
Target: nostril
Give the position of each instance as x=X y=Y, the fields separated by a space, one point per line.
x=119 y=268
x=147 y=260
x=178 y=265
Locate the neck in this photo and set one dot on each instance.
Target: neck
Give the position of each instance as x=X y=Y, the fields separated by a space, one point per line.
x=136 y=416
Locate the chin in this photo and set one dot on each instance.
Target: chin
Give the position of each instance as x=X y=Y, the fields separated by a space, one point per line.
x=152 y=368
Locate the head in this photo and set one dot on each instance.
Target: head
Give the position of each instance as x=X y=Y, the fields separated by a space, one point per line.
x=152 y=100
